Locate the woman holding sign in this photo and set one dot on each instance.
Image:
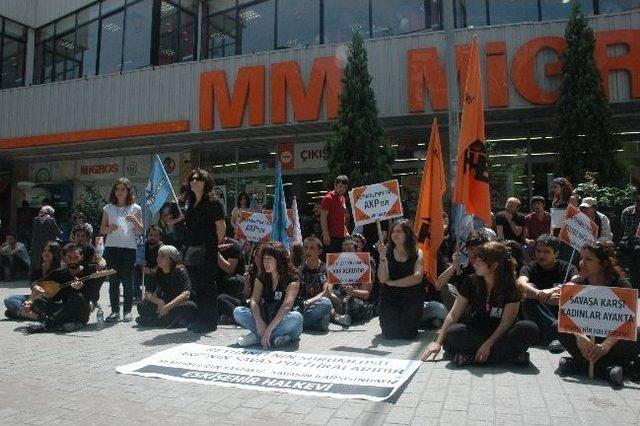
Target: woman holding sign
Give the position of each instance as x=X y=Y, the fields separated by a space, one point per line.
x=490 y=333
x=610 y=355
x=269 y=319
x=401 y=274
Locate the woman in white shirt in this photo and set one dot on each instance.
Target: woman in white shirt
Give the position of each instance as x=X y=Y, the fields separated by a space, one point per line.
x=121 y=222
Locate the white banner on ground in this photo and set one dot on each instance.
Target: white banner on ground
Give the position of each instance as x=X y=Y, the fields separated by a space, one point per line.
x=373 y=379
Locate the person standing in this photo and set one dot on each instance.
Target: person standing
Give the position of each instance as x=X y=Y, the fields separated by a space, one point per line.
x=44 y=229
x=333 y=216
x=205 y=229
x=589 y=207
x=121 y=222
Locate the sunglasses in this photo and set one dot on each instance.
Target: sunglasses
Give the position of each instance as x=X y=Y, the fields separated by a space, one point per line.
x=196 y=179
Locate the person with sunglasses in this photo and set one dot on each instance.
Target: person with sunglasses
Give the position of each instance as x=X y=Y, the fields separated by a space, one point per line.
x=611 y=356
x=205 y=229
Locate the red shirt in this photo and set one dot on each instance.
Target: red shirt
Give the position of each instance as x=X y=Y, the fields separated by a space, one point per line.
x=536 y=226
x=336 y=206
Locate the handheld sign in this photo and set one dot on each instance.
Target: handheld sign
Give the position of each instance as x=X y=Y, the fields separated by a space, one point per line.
x=254 y=227
x=348 y=268
x=373 y=203
x=577 y=229
x=598 y=311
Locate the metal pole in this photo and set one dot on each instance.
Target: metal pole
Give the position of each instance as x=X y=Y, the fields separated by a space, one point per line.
x=453 y=93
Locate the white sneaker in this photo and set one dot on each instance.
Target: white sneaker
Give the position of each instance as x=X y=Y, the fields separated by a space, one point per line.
x=281 y=340
x=250 y=339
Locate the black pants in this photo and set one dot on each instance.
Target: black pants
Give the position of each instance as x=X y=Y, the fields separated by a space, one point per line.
x=621 y=354
x=463 y=339
x=180 y=316
x=204 y=293
x=358 y=309
x=122 y=260
x=231 y=285
x=72 y=308
x=400 y=311
x=544 y=315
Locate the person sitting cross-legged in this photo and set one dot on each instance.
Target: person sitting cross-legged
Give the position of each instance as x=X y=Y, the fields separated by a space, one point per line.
x=313 y=303
x=168 y=305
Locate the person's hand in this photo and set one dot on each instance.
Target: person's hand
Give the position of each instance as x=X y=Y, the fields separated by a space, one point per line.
x=102 y=263
x=482 y=354
x=260 y=327
x=130 y=218
x=585 y=346
x=163 y=311
x=349 y=290
x=554 y=299
x=599 y=350
x=266 y=338
x=77 y=285
x=382 y=250
x=326 y=240
x=432 y=350
x=545 y=295
x=37 y=290
x=160 y=304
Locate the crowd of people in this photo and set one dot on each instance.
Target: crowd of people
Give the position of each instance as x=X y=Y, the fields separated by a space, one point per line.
x=496 y=295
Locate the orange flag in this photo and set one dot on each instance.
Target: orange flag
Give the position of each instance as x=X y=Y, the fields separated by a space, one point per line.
x=472 y=173
x=429 y=224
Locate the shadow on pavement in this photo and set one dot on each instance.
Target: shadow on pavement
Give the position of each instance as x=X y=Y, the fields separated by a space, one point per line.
x=291 y=347
x=483 y=370
x=365 y=351
x=182 y=336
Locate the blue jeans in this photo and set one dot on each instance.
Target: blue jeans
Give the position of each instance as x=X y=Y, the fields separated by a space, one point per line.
x=13 y=304
x=291 y=324
x=433 y=311
x=316 y=313
x=122 y=260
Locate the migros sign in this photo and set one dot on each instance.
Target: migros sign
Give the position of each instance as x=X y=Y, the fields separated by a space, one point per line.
x=425 y=72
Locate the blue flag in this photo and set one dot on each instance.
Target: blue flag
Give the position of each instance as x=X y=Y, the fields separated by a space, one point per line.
x=279 y=225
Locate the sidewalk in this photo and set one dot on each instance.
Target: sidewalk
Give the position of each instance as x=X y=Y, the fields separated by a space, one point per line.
x=71 y=379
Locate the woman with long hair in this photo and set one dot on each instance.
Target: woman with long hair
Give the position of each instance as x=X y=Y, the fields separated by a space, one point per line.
x=611 y=356
x=205 y=229
x=400 y=273
x=168 y=305
x=18 y=305
x=270 y=318
x=241 y=206
x=490 y=333
x=121 y=222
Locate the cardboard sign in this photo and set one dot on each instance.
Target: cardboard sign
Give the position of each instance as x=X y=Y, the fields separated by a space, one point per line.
x=254 y=227
x=557 y=217
x=373 y=203
x=577 y=229
x=348 y=268
x=598 y=311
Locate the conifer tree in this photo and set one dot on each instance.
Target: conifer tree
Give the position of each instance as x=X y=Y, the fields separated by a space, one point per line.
x=584 y=133
x=359 y=147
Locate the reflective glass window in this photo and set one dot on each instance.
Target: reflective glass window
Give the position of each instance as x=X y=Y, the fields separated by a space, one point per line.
x=108 y=6
x=137 y=36
x=87 y=49
x=88 y=14
x=169 y=30
x=298 y=23
x=434 y=14
x=12 y=63
x=614 y=6
x=508 y=11
x=187 y=37
x=256 y=27
x=111 y=43
x=15 y=30
x=561 y=9
x=471 y=13
x=64 y=56
x=341 y=18
x=393 y=17
x=220 y=39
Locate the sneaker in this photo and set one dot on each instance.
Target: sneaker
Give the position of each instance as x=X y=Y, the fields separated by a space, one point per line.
x=343 y=320
x=522 y=359
x=113 y=317
x=127 y=317
x=69 y=327
x=555 y=347
x=616 y=375
x=281 y=340
x=566 y=366
x=250 y=339
x=37 y=327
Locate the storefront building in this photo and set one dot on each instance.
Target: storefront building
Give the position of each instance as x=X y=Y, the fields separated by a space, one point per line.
x=92 y=89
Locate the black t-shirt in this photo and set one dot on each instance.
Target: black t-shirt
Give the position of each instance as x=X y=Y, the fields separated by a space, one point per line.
x=616 y=282
x=63 y=276
x=171 y=285
x=272 y=298
x=151 y=254
x=501 y=219
x=485 y=311
x=544 y=279
x=231 y=249
x=311 y=281
x=88 y=253
x=200 y=221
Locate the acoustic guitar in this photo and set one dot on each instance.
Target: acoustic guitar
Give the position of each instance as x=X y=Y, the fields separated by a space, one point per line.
x=51 y=288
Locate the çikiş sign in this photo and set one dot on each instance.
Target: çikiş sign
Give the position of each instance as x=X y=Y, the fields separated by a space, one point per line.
x=303 y=156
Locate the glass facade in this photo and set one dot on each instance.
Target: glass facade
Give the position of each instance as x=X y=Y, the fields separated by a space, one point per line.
x=116 y=35
x=13 y=48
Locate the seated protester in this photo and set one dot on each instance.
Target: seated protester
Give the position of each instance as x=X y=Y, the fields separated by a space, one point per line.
x=168 y=304
x=171 y=223
x=270 y=318
x=611 y=356
x=14 y=258
x=230 y=272
x=153 y=242
x=69 y=309
x=539 y=283
x=253 y=270
x=509 y=222
x=353 y=302
x=457 y=274
x=312 y=301
x=80 y=221
x=18 y=305
x=402 y=293
x=491 y=332
x=90 y=257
